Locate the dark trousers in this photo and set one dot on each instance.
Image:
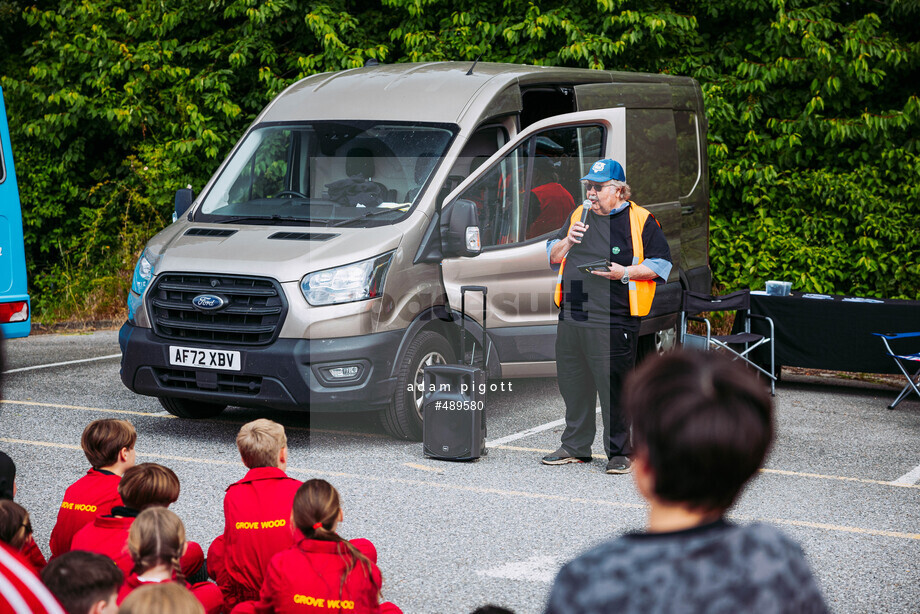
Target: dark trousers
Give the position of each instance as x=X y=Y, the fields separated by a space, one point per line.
x=591 y=363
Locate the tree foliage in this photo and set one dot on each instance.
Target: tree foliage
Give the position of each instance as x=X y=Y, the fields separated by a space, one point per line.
x=813 y=112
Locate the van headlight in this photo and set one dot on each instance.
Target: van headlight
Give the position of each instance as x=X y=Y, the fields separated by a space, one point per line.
x=143 y=273
x=345 y=284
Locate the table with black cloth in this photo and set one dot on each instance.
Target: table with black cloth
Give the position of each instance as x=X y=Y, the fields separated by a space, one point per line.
x=832 y=334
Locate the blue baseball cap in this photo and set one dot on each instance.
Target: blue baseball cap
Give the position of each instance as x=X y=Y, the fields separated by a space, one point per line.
x=605 y=170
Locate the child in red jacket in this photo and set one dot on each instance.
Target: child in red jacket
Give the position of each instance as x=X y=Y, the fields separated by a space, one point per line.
x=257 y=513
x=16 y=529
x=84 y=582
x=8 y=491
x=143 y=486
x=109 y=448
x=322 y=571
x=156 y=542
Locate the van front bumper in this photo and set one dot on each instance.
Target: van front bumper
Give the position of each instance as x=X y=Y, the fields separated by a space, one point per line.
x=291 y=374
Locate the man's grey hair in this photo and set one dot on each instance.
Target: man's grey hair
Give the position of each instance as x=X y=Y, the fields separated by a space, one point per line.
x=622 y=185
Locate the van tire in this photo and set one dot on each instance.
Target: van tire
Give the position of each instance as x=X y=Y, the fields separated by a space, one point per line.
x=188 y=408
x=656 y=343
x=402 y=419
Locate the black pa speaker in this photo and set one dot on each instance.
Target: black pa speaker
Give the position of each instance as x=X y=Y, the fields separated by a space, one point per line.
x=454 y=426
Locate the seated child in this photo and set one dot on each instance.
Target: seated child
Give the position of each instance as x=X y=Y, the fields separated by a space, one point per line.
x=156 y=541
x=322 y=569
x=109 y=448
x=161 y=598
x=15 y=527
x=257 y=512
x=143 y=486
x=8 y=491
x=701 y=428
x=7 y=477
x=84 y=582
x=20 y=590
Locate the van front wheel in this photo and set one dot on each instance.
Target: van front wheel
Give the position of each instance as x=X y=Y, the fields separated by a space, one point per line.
x=657 y=343
x=187 y=408
x=403 y=417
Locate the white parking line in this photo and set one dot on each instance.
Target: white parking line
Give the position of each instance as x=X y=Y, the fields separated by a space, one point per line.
x=534 y=569
x=536 y=429
x=908 y=479
x=60 y=364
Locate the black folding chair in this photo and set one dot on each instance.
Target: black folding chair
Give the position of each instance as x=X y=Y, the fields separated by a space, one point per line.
x=903 y=361
x=695 y=303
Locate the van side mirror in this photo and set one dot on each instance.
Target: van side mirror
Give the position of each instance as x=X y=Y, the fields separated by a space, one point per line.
x=184 y=199
x=460 y=229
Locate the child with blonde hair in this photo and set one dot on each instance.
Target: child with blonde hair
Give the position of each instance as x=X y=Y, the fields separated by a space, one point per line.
x=157 y=542
x=165 y=598
x=257 y=513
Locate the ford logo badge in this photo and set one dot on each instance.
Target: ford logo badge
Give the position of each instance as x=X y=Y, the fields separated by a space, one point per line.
x=208 y=302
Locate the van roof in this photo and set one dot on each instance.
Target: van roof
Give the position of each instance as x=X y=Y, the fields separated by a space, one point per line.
x=429 y=92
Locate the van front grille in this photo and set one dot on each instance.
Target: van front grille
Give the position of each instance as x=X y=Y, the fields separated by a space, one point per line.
x=224 y=382
x=251 y=313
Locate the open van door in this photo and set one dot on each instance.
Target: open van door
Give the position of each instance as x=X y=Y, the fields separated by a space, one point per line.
x=15 y=309
x=524 y=194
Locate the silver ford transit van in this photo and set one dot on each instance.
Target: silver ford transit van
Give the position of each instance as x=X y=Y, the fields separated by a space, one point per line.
x=320 y=267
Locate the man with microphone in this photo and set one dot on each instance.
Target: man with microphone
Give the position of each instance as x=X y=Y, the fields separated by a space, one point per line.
x=611 y=253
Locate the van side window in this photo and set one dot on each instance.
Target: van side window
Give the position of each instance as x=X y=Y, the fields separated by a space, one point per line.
x=479 y=148
x=562 y=157
x=651 y=155
x=688 y=151
x=534 y=188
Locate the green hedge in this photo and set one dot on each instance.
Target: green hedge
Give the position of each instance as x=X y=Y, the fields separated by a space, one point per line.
x=813 y=116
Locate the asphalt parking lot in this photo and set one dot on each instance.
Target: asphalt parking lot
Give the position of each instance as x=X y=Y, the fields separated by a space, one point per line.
x=842 y=480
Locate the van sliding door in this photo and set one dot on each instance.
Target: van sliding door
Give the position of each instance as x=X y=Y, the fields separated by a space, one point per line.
x=524 y=194
x=652 y=166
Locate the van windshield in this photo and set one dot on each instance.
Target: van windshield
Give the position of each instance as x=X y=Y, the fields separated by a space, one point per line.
x=357 y=173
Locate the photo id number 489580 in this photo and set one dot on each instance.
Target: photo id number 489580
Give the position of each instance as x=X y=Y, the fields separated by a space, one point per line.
x=202 y=358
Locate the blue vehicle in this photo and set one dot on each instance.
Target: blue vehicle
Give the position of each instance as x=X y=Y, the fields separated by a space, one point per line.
x=15 y=309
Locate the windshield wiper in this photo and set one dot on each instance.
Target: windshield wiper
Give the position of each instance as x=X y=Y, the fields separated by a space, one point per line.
x=271 y=219
x=365 y=216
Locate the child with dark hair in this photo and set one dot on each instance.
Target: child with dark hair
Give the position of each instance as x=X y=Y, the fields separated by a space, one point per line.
x=7 y=477
x=84 y=582
x=322 y=569
x=156 y=542
x=109 y=448
x=701 y=427
x=257 y=512
x=15 y=528
x=8 y=491
x=143 y=486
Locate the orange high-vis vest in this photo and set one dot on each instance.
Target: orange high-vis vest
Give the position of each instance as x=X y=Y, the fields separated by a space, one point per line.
x=641 y=293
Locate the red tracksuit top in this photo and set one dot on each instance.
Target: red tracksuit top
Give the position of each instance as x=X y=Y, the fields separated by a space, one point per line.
x=18 y=584
x=94 y=493
x=257 y=526
x=207 y=594
x=34 y=555
x=109 y=536
x=307 y=577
